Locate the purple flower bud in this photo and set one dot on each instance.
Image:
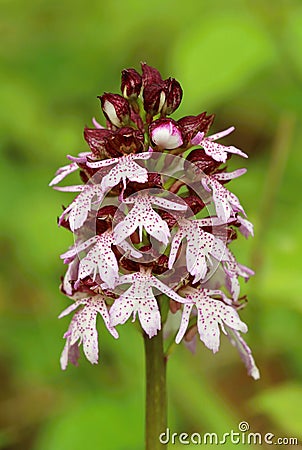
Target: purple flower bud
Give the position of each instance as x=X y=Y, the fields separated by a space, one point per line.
x=191 y=125
x=150 y=75
x=97 y=139
x=165 y=133
x=154 y=98
x=154 y=90
x=131 y=83
x=115 y=108
x=173 y=94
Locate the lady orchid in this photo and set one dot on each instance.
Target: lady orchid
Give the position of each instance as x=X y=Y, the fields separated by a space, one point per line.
x=148 y=238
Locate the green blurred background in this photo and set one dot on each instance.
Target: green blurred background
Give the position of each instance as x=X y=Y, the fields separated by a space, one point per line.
x=239 y=59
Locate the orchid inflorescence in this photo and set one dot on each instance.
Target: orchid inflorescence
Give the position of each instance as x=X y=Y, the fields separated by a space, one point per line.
x=152 y=223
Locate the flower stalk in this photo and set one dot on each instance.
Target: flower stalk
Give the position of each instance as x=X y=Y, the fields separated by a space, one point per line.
x=156 y=399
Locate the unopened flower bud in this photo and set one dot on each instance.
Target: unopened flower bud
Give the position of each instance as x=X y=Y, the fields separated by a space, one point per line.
x=173 y=94
x=131 y=83
x=166 y=134
x=154 y=98
x=115 y=108
x=150 y=75
x=191 y=125
x=153 y=90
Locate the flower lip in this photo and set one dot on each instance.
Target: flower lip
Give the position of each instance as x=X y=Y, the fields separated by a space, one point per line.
x=166 y=134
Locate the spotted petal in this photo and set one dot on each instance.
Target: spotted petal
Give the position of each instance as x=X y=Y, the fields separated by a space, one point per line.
x=100 y=260
x=217 y=151
x=244 y=352
x=139 y=298
x=79 y=209
x=142 y=216
x=226 y=203
x=82 y=329
x=211 y=314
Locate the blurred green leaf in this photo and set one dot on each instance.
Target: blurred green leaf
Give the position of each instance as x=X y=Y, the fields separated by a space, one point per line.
x=219 y=54
x=282 y=404
x=96 y=424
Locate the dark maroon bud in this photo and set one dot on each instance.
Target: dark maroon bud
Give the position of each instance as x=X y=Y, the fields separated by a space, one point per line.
x=173 y=94
x=150 y=75
x=116 y=109
x=97 y=139
x=204 y=162
x=191 y=125
x=131 y=83
x=154 y=98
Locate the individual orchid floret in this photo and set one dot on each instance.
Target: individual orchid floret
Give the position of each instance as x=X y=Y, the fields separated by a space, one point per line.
x=218 y=152
x=116 y=109
x=244 y=352
x=166 y=134
x=100 y=260
x=142 y=215
x=226 y=203
x=82 y=329
x=200 y=248
x=131 y=83
x=139 y=298
x=211 y=314
x=79 y=209
x=233 y=270
x=125 y=168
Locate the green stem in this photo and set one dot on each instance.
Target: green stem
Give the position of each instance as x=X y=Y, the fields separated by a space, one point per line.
x=156 y=402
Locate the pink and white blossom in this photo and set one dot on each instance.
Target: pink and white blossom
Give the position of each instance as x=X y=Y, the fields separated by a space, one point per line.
x=124 y=168
x=143 y=216
x=218 y=152
x=226 y=203
x=200 y=247
x=211 y=314
x=79 y=209
x=82 y=329
x=100 y=259
x=233 y=270
x=139 y=298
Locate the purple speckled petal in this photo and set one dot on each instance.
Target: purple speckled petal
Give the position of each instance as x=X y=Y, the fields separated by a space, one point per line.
x=100 y=260
x=211 y=314
x=142 y=216
x=174 y=247
x=82 y=329
x=244 y=352
x=184 y=321
x=221 y=134
x=229 y=175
